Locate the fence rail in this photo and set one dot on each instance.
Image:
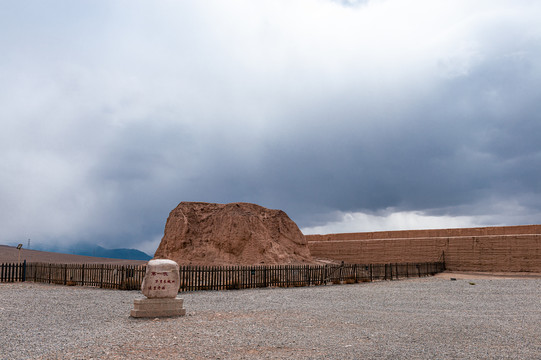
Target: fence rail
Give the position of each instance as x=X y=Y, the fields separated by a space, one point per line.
x=194 y=278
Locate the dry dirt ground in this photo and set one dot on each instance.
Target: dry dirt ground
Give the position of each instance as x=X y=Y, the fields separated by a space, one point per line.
x=462 y=275
x=10 y=254
x=420 y=318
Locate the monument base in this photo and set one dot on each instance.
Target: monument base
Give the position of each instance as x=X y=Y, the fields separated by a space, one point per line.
x=157 y=307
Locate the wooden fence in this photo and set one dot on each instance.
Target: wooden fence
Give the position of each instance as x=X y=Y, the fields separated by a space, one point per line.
x=123 y=277
x=194 y=278
x=13 y=272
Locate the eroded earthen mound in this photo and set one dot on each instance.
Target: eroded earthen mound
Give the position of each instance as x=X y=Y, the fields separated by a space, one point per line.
x=231 y=234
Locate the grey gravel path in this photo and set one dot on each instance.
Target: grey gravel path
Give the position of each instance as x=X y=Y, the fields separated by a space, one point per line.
x=425 y=318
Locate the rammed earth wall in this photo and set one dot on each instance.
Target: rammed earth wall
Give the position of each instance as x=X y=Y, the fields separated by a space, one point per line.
x=496 y=249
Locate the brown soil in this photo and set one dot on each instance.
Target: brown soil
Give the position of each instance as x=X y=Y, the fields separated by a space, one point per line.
x=459 y=275
x=232 y=234
x=10 y=254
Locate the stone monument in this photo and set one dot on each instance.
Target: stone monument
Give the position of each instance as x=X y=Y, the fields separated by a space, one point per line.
x=160 y=286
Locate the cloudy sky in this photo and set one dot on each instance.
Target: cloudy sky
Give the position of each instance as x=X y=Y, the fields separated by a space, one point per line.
x=348 y=115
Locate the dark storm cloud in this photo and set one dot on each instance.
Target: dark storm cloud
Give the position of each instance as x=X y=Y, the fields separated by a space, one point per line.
x=332 y=113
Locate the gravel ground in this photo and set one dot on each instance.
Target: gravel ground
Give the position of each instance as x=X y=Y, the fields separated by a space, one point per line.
x=428 y=318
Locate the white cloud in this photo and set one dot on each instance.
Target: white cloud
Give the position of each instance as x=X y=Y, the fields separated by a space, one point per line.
x=114 y=111
x=491 y=211
x=389 y=220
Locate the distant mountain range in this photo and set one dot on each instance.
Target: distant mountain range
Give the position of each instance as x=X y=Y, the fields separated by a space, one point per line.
x=97 y=251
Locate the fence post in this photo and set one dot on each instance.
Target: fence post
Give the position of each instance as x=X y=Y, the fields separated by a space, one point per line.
x=123 y=279
x=407 y=270
x=24 y=271
x=101 y=276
